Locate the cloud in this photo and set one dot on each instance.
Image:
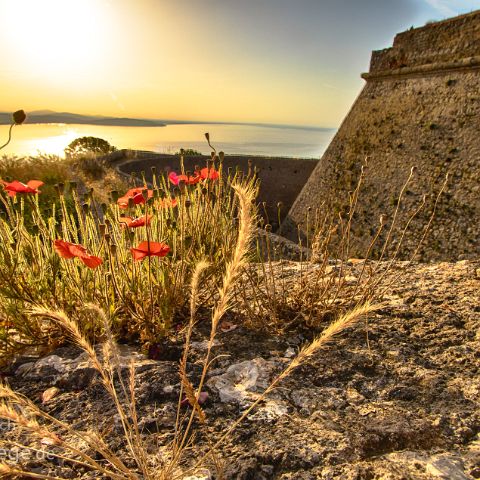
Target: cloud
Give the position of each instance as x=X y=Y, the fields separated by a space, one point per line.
x=442 y=6
x=450 y=8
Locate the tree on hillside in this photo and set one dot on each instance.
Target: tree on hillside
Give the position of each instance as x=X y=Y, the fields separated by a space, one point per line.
x=84 y=145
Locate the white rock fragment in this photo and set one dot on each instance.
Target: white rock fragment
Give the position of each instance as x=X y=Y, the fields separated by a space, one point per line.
x=241 y=380
x=201 y=475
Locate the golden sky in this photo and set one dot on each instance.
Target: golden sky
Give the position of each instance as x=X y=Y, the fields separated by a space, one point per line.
x=273 y=61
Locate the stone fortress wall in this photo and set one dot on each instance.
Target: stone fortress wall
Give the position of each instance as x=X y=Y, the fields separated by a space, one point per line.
x=420 y=107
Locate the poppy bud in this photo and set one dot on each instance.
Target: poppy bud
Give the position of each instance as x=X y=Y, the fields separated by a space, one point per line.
x=207 y=136
x=114 y=196
x=107 y=237
x=102 y=228
x=221 y=155
x=268 y=227
x=108 y=222
x=213 y=155
x=280 y=205
x=19 y=117
x=113 y=249
x=86 y=207
x=188 y=203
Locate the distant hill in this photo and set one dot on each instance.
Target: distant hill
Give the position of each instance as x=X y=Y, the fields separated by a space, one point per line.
x=46 y=116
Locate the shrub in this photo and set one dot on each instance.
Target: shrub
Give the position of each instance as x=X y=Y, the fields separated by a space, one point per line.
x=188 y=152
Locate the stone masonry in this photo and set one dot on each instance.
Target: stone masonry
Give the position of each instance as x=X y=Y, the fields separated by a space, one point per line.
x=420 y=108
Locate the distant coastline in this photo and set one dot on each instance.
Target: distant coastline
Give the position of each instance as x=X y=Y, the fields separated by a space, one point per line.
x=74 y=118
x=49 y=117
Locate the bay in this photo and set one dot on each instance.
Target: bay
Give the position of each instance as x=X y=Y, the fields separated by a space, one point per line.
x=275 y=141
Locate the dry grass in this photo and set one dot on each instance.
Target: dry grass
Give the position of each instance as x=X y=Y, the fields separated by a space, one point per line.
x=329 y=282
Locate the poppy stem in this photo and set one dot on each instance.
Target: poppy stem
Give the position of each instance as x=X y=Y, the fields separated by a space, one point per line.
x=147 y=228
x=9 y=136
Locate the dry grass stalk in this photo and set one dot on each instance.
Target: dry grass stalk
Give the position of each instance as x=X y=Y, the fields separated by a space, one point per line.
x=127 y=415
x=327 y=336
x=225 y=294
x=329 y=284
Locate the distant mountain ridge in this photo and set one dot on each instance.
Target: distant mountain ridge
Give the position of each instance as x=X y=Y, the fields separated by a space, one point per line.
x=46 y=116
x=49 y=116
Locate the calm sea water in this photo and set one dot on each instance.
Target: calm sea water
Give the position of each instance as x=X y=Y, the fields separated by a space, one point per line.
x=232 y=139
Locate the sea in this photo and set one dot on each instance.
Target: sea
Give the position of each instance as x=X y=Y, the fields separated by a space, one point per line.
x=275 y=141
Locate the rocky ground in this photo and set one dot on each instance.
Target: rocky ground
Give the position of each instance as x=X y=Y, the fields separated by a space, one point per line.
x=404 y=407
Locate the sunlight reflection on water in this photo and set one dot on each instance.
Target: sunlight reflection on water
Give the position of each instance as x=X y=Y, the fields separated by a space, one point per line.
x=233 y=139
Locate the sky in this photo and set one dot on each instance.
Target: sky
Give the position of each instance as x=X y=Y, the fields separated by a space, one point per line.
x=292 y=62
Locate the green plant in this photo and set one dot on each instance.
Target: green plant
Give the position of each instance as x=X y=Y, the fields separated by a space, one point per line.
x=144 y=298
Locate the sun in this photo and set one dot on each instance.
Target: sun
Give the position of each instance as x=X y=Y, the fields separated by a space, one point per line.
x=62 y=40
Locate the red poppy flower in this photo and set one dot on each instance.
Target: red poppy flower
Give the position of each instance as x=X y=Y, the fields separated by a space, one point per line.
x=149 y=249
x=136 y=194
x=18 y=187
x=135 y=222
x=72 y=250
x=211 y=173
x=189 y=180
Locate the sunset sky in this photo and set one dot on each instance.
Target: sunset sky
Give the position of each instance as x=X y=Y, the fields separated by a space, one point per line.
x=277 y=61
